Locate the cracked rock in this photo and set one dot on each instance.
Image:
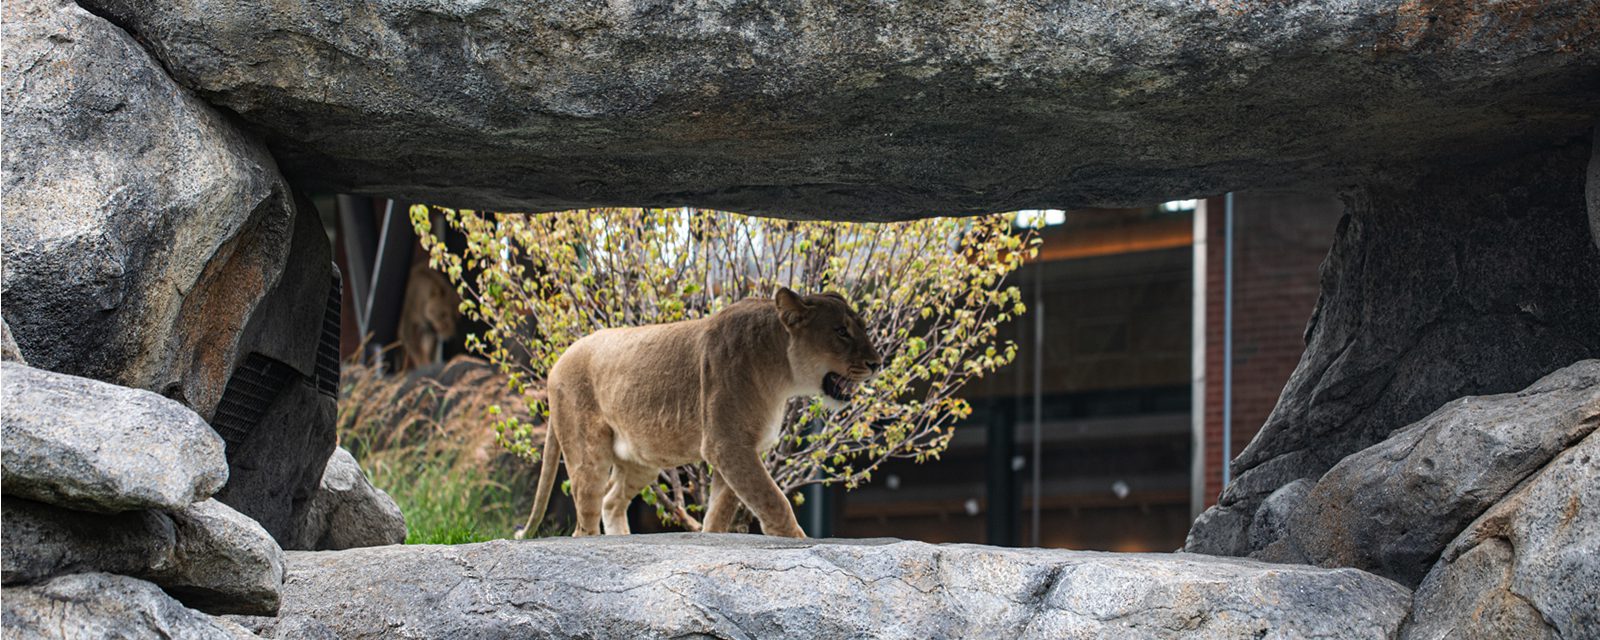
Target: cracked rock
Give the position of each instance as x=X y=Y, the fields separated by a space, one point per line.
x=741 y=586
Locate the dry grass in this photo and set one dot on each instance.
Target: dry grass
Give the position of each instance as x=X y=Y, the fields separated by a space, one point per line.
x=426 y=438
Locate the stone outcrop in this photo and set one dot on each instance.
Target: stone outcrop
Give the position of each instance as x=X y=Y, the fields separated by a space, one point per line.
x=1441 y=283
x=94 y=446
x=286 y=627
x=151 y=242
x=223 y=562
x=102 y=605
x=102 y=478
x=8 y=345
x=348 y=512
x=142 y=227
x=1269 y=532
x=873 y=110
x=1592 y=188
x=206 y=555
x=39 y=541
x=1527 y=568
x=280 y=410
x=1391 y=508
x=739 y=586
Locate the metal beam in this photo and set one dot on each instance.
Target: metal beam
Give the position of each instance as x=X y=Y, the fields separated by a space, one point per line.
x=1001 y=488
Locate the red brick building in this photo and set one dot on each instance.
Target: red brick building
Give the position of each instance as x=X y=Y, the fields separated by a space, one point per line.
x=1279 y=241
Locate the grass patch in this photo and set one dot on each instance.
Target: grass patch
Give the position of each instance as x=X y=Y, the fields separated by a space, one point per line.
x=426 y=439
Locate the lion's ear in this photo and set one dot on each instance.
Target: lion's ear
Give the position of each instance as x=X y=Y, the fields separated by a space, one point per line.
x=791 y=309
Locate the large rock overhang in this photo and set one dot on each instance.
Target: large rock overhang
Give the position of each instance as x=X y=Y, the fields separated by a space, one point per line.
x=865 y=110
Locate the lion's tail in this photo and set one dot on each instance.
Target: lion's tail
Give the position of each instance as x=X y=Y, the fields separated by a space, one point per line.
x=547 y=478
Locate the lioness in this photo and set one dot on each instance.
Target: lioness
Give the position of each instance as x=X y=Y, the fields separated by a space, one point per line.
x=428 y=316
x=626 y=403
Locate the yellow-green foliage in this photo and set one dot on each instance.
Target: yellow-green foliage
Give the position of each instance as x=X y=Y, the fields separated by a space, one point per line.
x=932 y=292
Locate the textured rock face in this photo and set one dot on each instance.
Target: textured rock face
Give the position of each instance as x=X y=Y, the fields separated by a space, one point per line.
x=141 y=227
x=348 y=512
x=873 y=110
x=1449 y=283
x=1270 y=537
x=39 y=541
x=223 y=562
x=206 y=555
x=1391 y=508
x=1527 y=568
x=101 y=605
x=90 y=445
x=8 y=345
x=288 y=627
x=677 y=585
x=150 y=242
x=278 y=412
x=1592 y=189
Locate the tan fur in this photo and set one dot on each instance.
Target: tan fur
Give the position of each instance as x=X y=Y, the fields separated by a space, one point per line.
x=626 y=403
x=427 y=317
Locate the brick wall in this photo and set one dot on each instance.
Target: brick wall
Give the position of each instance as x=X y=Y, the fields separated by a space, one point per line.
x=1280 y=240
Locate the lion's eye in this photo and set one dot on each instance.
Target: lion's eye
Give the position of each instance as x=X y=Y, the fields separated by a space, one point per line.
x=842 y=332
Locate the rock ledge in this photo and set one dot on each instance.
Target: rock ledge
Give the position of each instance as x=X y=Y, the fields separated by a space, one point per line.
x=739 y=586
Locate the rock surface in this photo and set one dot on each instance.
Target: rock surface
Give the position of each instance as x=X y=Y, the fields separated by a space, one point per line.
x=206 y=555
x=89 y=445
x=870 y=109
x=288 y=627
x=1527 y=568
x=1270 y=537
x=1441 y=284
x=1592 y=189
x=223 y=562
x=8 y=346
x=39 y=541
x=279 y=411
x=1391 y=508
x=737 y=586
x=142 y=227
x=348 y=512
x=101 y=605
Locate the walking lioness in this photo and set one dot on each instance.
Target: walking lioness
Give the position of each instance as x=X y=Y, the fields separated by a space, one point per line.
x=626 y=403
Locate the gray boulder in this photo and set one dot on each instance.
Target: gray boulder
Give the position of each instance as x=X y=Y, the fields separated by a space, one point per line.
x=1442 y=282
x=872 y=109
x=39 y=541
x=1527 y=568
x=348 y=512
x=223 y=562
x=142 y=226
x=287 y=627
x=741 y=586
x=8 y=345
x=100 y=605
x=94 y=446
x=279 y=411
x=151 y=242
x=206 y=555
x=1269 y=531
x=1391 y=508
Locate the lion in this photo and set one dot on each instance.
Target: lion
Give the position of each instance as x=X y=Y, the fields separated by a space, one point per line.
x=427 y=316
x=626 y=403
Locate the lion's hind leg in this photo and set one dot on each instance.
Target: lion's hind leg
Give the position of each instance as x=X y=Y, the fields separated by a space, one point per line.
x=627 y=480
x=586 y=442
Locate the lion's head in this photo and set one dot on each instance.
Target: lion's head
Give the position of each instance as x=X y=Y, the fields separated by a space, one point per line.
x=828 y=342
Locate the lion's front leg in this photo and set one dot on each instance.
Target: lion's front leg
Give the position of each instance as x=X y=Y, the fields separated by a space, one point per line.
x=741 y=469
